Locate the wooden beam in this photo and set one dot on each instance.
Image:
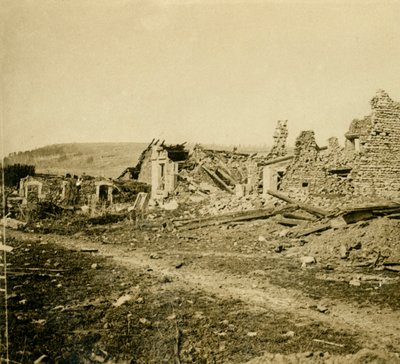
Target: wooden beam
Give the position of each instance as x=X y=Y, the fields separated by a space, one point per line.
x=251 y=215
x=289 y=222
x=311 y=209
x=294 y=215
x=279 y=159
x=393 y=216
x=314 y=229
x=225 y=175
x=231 y=217
x=219 y=181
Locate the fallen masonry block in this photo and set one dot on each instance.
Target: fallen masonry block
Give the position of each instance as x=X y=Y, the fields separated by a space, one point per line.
x=12 y=223
x=338 y=222
x=5 y=248
x=307 y=260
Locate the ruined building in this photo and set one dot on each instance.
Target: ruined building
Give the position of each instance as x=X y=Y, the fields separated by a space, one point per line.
x=73 y=191
x=368 y=165
x=377 y=164
x=158 y=166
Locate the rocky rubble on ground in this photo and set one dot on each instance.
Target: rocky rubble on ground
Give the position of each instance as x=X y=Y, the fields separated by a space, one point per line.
x=361 y=357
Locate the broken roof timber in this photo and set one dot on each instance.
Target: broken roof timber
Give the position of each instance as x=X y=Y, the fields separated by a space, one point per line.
x=278 y=160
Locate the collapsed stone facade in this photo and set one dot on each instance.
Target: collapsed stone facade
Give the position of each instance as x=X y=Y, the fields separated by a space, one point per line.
x=368 y=164
x=158 y=167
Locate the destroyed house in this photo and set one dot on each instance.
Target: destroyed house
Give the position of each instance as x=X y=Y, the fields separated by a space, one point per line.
x=368 y=164
x=158 y=166
x=241 y=173
x=230 y=171
x=165 y=166
x=39 y=188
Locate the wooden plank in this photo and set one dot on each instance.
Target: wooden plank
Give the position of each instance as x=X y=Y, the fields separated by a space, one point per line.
x=391 y=210
x=391 y=263
x=376 y=207
x=314 y=229
x=219 y=181
x=294 y=215
x=220 y=171
x=289 y=222
x=261 y=214
x=228 y=215
x=311 y=209
x=393 y=216
x=357 y=215
x=392 y=268
x=328 y=343
x=277 y=160
x=361 y=213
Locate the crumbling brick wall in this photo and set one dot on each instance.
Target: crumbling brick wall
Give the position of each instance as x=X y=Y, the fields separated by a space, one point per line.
x=368 y=165
x=377 y=164
x=317 y=171
x=304 y=173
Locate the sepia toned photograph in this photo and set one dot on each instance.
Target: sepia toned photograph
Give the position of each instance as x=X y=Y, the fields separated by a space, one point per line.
x=200 y=181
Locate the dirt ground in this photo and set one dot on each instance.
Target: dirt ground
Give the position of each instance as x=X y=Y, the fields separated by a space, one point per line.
x=235 y=293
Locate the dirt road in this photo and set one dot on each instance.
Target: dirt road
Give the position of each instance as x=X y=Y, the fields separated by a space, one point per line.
x=343 y=325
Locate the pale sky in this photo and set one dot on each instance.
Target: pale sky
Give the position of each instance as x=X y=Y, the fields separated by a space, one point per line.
x=205 y=71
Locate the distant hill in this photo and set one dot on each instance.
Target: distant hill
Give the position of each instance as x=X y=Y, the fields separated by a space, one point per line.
x=95 y=159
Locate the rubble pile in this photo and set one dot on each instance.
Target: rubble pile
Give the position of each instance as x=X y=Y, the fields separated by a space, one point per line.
x=221 y=168
x=222 y=203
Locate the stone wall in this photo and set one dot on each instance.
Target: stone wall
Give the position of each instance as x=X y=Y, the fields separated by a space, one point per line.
x=280 y=136
x=304 y=174
x=377 y=166
x=41 y=188
x=318 y=171
x=368 y=165
x=145 y=167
